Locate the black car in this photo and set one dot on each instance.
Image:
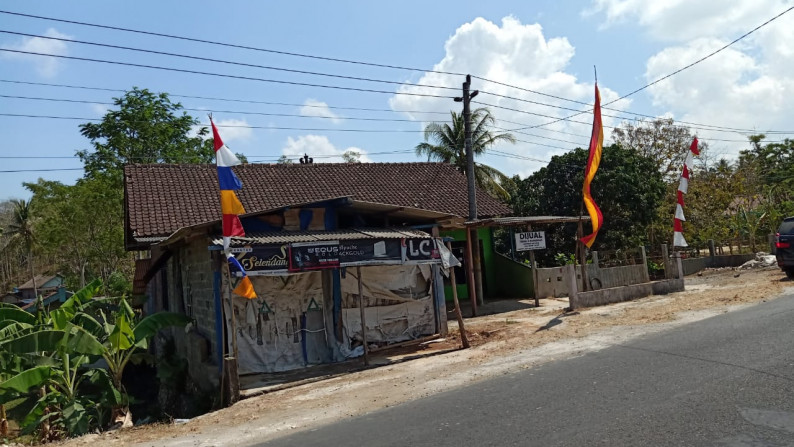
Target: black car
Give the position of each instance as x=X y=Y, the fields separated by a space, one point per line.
x=785 y=246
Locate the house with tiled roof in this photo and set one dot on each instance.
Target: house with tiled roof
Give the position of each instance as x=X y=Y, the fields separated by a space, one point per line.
x=343 y=258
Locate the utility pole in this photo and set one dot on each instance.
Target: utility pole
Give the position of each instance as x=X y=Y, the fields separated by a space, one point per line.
x=475 y=282
x=466 y=100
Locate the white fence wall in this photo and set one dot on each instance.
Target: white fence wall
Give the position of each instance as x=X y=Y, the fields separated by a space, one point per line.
x=552 y=282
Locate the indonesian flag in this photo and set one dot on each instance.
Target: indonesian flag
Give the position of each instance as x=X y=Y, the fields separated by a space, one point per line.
x=231 y=208
x=683 y=186
x=594 y=159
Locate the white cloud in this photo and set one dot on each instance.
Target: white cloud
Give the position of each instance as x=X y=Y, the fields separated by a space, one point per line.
x=230 y=130
x=682 y=20
x=319 y=148
x=47 y=67
x=515 y=54
x=744 y=86
x=313 y=107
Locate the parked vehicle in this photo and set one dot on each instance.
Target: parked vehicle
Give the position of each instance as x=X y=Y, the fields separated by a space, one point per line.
x=785 y=246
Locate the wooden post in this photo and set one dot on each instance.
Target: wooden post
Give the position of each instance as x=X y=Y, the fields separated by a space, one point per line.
x=233 y=323
x=363 y=320
x=463 y=338
x=582 y=261
x=477 y=256
x=513 y=243
x=534 y=266
x=470 y=274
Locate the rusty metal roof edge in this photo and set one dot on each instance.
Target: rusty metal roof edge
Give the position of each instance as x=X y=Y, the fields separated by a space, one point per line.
x=523 y=220
x=309 y=236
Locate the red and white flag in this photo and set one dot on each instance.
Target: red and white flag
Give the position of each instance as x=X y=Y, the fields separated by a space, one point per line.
x=683 y=186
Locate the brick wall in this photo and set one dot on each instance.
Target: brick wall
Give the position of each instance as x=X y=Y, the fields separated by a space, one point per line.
x=190 y=290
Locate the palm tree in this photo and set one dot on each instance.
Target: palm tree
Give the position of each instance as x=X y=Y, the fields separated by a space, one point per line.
x=21 y=228
x=446 y=143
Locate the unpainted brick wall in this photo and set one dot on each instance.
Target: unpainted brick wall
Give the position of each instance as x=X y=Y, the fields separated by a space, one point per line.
x=190 y=274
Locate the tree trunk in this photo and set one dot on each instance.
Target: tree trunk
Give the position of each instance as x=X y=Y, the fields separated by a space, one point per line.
x=32 y=273
x=3 y=422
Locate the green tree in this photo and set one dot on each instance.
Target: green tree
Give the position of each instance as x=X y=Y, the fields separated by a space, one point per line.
x=660 y=140
x=351 y=157
x=628 y=188
x=81 y=243
x=144 y=127
x=446 y=143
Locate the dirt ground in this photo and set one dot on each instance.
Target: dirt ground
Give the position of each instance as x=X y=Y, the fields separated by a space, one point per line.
x=502 y=343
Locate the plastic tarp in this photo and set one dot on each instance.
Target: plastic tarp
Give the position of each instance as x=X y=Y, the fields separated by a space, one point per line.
x=283 y=326
x=397 y=300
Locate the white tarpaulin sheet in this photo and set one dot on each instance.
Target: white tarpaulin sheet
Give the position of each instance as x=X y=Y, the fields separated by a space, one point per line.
x=398 y=303
x=269 y=328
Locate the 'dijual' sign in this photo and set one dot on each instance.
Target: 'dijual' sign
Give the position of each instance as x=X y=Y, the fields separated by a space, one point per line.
x=531 y=240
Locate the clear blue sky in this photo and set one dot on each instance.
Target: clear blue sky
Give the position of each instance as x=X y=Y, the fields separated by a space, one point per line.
x=547 y=46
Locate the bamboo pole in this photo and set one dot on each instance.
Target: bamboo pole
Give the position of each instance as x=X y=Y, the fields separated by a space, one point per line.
x=461 y=329
x=470 y=274
x=363 y=320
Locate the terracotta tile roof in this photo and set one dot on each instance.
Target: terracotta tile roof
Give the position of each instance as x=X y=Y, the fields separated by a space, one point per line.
x=161 y=198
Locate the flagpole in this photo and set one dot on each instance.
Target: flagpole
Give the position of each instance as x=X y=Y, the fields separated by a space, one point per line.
x=581 y=250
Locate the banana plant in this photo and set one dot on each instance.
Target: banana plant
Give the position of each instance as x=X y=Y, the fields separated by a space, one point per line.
x=57 y=347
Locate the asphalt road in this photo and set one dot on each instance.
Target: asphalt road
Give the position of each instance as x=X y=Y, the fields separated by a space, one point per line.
x=724 y=381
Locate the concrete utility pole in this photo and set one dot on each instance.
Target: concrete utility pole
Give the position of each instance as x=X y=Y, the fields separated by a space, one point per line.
x=466 y=100
x=475 y=286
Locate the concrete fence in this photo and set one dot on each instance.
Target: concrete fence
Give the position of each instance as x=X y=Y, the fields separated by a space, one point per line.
x=694 y=265
x=553 y=282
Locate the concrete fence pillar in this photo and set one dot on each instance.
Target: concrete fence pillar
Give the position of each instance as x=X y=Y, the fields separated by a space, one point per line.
x=668 y=272
x=679 y=267
x=573 y=288
x=645 y=264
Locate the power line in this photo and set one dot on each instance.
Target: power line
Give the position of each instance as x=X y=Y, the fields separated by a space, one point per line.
x=382 y=66
x=40 y=170
x=682 y=68
x=22 y=115
x=224 y=44
x=222 y=75
x=222 y=61
x=210 y=98
x=240 y=112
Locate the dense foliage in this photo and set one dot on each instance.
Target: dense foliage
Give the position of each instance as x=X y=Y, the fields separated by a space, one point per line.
x=628 y=188
x=49 y=381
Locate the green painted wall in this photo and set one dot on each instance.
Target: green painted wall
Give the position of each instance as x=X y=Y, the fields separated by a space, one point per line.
x=489 y=270
x=513 y=279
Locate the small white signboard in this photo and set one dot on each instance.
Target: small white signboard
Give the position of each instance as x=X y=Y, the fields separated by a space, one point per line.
x=531 y=240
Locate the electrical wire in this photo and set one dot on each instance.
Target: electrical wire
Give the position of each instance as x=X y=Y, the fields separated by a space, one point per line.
x=222 y=75
x=229 y=45
x=171 y=36
x=222 y=61
x=680 y=69
x=209 y=98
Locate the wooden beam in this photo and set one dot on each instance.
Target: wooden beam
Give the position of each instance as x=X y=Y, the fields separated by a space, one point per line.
x=470 y=274
x=363 y=320
x=463 y=338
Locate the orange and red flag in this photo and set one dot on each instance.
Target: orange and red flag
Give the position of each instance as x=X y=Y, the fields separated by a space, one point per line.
x=593 y=160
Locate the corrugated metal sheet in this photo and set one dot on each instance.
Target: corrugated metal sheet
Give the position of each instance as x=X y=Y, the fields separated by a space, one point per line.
x=285 y=237
x=509 y=221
